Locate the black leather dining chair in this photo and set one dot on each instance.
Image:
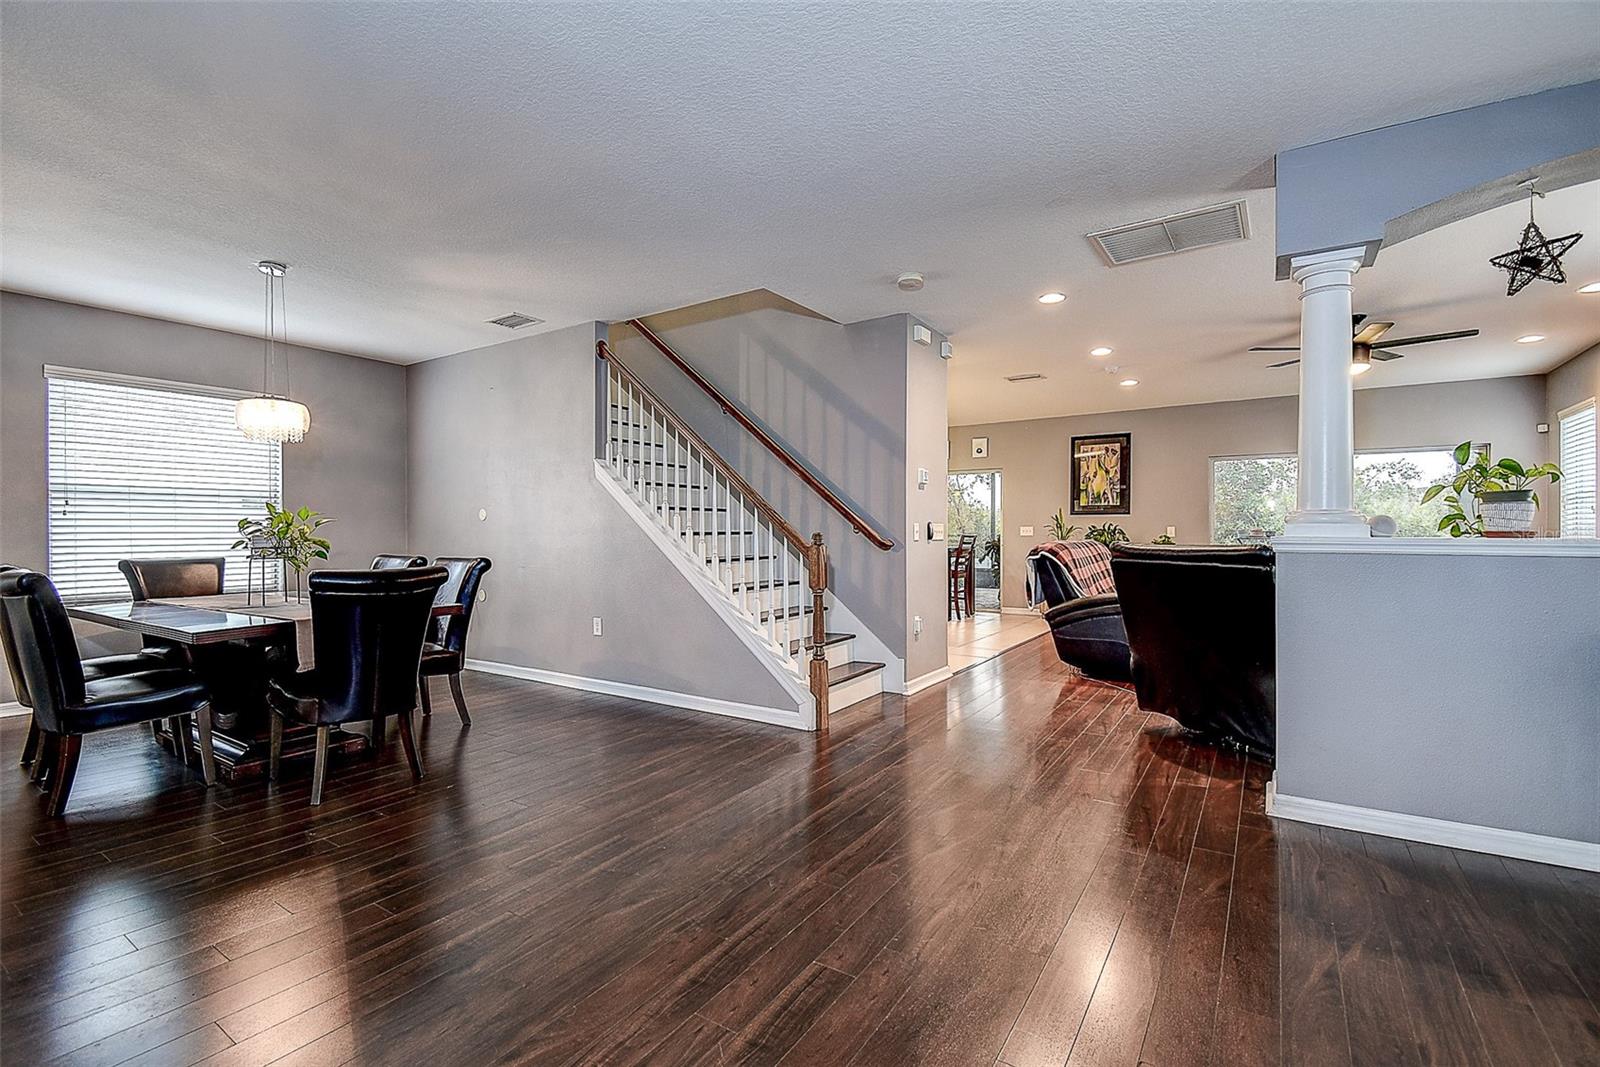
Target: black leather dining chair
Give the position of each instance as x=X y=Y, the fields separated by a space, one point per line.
x=93 y=669
x=385 y=561
x=66 y=705
x=152 y=579
x=367 y=628
x=446 y=651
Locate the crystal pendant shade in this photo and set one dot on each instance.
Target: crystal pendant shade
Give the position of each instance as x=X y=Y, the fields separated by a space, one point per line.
x=272 y=418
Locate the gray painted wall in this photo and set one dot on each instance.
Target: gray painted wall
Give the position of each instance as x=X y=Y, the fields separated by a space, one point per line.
x=352 y=465
x=1342 y=193
x=1576 y=380
x=927 y=565
x=1411 y=718
x=840 y=397
x=511 y=429
x=1173 y=448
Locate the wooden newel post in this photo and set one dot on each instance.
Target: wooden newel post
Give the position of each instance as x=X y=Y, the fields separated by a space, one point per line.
x=817 y=574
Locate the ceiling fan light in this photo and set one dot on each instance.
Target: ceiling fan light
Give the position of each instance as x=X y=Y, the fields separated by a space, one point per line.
x=1592 y=287
x=1530 y=339
x=1360 y=361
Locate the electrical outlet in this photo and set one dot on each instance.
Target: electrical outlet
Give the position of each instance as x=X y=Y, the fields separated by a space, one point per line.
x=597 y=626
x=916 y=626
x=1172 y=531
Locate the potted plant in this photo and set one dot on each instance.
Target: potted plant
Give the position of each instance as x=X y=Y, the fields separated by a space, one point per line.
x=1059 y=530
x=1506 y=501
x=1107 y=533
x=287 y=534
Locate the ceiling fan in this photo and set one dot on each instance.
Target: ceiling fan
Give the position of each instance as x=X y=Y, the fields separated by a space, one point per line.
x=1365 y=337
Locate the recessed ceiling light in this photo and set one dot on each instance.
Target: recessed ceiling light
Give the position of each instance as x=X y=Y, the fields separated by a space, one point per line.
x=1592 y=287
x=1101 y=351
x=1530 y=339
x=1052 y=298
x=1128 y=383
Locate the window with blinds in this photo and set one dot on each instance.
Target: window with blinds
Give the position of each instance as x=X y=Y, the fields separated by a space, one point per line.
x=144 y=469
x=1577 y=460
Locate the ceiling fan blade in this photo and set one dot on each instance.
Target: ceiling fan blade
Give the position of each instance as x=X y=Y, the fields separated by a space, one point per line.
x=1372 y=331
x=1381 y=355
x=1285 y=363
x=1425 y=338
x=1274 y=348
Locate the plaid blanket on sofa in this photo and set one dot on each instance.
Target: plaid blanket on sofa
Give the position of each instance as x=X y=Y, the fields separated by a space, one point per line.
x=1088 y=564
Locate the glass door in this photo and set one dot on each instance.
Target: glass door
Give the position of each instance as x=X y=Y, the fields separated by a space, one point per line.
x=974 y=509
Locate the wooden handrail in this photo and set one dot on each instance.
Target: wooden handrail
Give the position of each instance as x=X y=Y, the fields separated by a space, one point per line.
x=733 y=411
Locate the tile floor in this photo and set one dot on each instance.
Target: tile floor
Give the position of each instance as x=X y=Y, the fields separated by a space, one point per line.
x=983 y=636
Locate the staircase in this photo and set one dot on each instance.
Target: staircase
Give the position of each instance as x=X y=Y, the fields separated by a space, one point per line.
x=772 y=578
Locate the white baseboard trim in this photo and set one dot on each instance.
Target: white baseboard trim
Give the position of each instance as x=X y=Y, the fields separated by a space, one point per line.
x=917 y=685
x=11 y=707
x=1560 y=851
x=732 y=709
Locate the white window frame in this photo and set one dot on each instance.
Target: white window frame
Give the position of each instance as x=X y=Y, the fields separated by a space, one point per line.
x=64 y=374
x=1562 y=416
x=1211 y=468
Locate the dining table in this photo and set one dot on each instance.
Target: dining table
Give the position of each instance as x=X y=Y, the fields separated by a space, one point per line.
x=235 y=642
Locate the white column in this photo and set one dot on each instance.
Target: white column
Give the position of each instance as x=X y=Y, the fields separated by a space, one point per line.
x=1327 y=428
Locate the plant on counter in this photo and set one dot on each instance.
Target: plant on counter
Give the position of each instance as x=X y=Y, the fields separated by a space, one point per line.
x=1165 y=539
x=1059 y=529
x=1503 y=491
x=1107 y=533
x=286 y=534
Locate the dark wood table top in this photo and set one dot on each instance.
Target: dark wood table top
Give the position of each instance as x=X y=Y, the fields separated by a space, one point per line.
x=192 y=625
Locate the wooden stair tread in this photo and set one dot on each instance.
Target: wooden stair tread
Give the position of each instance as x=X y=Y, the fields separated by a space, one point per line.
x=849 y=672
x=828 y=641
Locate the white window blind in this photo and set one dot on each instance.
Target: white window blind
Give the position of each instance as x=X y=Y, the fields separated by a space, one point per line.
x=147 y=470
x=1577 y=460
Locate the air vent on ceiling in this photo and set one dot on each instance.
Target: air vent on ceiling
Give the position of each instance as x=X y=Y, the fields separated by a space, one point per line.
x=515 y=321
x=1023 y=377
x=1174 y=233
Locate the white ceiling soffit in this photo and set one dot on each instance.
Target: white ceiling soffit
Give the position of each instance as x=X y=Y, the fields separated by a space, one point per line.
x=422 y=178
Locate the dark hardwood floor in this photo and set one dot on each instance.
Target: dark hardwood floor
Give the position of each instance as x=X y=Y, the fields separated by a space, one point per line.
x=1018 y=867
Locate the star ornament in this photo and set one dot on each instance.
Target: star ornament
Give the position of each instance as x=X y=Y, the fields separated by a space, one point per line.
x=1535 y=257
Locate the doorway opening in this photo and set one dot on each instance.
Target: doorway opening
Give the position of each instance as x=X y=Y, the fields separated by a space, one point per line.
x=974 y=510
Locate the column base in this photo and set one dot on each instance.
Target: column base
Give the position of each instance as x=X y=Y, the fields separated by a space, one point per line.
x=1324 y=526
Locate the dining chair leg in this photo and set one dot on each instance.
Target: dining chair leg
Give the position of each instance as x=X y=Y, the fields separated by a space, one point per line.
x=44 y=762
x=30 y=747
x=380 y=734
x=410 y=742
x=422 y=691
x=68 y=746
x=319 y=769
x=178 y=726
x=208 y=755
x=461 y=701
x=275 y=753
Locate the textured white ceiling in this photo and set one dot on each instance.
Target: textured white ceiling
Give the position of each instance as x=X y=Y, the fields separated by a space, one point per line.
x=426 y=167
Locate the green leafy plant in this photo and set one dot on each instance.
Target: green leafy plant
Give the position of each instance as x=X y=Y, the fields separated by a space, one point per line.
x=1107 y=533
x=1165 y=539
x=1059 y=529
x=290 y=534
x=1474 y=477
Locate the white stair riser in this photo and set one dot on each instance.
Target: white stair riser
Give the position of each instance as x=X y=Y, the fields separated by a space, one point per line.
x=856 y=690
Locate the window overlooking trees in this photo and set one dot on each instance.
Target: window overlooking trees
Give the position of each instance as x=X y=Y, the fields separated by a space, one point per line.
x=1251 y=495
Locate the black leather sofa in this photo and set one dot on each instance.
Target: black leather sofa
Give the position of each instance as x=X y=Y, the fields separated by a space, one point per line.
x=1086 y=628
x=1202 y=631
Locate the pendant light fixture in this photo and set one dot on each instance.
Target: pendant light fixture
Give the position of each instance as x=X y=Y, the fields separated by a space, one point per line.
x=1536 y=256
x=272 y=416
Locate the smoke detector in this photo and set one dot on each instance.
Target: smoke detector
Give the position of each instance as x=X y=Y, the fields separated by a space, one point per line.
x=515 y=321
x=910 y=281
x=1169 y=234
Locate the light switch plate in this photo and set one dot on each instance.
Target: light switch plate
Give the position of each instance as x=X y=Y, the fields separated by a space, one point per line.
x=916 y=531
x=597 y=626
x=922 y=477
x=1172 y=531
x=1025 y=531
x=936 y=531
